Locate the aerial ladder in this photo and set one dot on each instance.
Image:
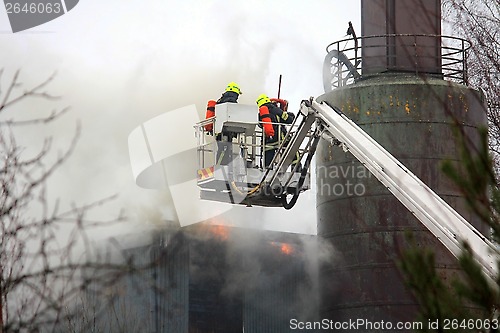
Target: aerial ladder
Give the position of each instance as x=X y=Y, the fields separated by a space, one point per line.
x=281 y=183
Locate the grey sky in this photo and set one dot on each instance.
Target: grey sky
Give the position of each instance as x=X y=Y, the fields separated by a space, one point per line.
x=120 y=63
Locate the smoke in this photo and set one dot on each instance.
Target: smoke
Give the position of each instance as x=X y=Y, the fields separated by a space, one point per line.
x=120 y=64
x=136 y=61
x=275 y=274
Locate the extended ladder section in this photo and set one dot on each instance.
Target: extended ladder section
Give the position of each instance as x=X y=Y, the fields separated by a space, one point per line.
x=432 y=211
x=249 y=184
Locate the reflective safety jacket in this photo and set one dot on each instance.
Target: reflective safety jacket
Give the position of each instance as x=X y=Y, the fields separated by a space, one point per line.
x=269 y=113
x=279 y=117
x=228 y=97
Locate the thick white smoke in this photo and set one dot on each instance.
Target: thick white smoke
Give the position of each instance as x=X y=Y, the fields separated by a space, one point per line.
x=119 y=64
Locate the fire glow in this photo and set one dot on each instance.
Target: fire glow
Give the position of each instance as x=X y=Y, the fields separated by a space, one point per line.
x=220 y=232
x=284 y=248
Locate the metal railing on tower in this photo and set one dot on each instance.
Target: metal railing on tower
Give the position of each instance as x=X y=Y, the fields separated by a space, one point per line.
x=350 y=60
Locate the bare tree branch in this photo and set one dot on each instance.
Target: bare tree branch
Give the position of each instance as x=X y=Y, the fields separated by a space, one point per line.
x=42 y=273
x=33 y=92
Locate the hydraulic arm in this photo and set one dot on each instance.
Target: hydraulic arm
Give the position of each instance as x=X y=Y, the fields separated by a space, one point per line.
x=277 y=186
x=440 y=218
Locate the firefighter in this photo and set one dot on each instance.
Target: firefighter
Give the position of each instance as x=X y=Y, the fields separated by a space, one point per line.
x=224 y=139
x=229 y=96
x=273 y=120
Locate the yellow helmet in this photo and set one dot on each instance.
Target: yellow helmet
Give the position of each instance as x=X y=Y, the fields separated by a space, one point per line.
x=262 y=99
x=233 y=86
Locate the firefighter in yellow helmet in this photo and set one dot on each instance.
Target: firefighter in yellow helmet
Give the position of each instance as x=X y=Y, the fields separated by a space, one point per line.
x=229 y=96
x=271 y=116
x=223 y=139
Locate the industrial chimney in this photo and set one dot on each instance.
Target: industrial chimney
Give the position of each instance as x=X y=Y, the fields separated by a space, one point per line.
x=405 y=85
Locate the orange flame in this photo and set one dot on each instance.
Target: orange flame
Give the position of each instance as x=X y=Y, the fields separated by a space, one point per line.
x=220 y=232
x=284 y=248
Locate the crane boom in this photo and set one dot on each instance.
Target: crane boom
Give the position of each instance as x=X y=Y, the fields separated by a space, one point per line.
x=432 y=211
x=273 y=185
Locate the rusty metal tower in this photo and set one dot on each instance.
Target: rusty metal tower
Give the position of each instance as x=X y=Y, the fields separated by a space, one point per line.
x=406 y=85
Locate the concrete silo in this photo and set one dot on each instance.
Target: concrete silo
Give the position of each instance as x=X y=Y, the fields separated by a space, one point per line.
x=407 y=92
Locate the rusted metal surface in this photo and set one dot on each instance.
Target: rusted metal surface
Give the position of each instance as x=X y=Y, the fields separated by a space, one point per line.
x=413 y=119
x=395 y=19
